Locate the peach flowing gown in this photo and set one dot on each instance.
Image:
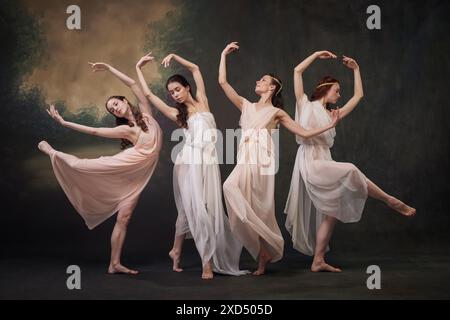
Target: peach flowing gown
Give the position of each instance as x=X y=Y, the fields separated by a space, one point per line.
x=249 y=190
x=98 y=188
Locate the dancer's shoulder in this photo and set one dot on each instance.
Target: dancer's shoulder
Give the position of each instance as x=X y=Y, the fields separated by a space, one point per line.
x=304 y=100
x=246 y=103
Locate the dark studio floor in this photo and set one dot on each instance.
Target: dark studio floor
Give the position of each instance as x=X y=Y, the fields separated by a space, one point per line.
x=407 y=276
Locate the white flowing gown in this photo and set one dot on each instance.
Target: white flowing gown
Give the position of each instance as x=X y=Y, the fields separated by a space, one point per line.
x=198 y=197
x=320 y=186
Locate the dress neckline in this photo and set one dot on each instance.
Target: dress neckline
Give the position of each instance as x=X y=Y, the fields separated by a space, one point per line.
x=261 y=108
x=198 y=112
x=322 y=107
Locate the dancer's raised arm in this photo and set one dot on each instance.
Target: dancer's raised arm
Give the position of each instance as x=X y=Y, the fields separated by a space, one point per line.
x=234 y=97
x=297 y=129
x=358 y=89
x=144 y=105
x=165 y=109
x=119 y=132
x=301 y=67
x=194 y=69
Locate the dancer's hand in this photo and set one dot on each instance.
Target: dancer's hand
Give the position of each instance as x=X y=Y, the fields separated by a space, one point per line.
x=233 y=46
x=335 y=117
x=325 y=55
x=99 y=66
x=350 y=63
x=55 y=114
x=143 y=61
x=166 y=60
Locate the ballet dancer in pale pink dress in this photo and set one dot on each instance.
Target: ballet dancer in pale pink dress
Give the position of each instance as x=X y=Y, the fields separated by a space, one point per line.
x=98 y=188
x=249 y=190
x=196 y=175
x=322 y=190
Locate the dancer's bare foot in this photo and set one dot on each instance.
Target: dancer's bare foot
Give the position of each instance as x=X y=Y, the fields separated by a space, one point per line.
x=263 y=259
x=207 y=273
x=400 y=207
x=45 y=147
x=118 y=268
x=175 y=256
x=321 y=266
x=259 y=271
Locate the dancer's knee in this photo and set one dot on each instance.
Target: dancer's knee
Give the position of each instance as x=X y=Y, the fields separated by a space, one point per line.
x=124 y=217
x=330 y=219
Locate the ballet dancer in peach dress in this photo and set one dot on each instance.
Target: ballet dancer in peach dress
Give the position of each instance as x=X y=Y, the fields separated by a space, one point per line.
x=98 y=188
